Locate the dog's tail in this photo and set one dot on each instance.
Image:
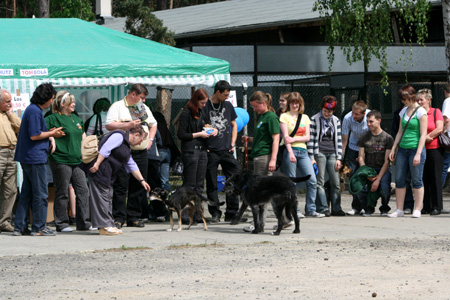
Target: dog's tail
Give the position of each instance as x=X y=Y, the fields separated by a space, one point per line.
x=211 y=202
x=300 y=179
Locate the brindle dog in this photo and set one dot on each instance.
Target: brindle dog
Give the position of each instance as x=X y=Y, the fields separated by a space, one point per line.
x=257 y=190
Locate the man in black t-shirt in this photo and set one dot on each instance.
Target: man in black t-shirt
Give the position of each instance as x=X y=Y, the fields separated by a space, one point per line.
x=220 y=114
x=374 y=148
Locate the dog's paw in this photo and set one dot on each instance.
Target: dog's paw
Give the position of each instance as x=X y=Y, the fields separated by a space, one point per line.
x=169 y=230
x=205 y=229
x=185 y=228
x=179 y=229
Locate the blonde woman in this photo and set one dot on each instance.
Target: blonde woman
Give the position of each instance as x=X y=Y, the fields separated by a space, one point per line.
x=295 y=155
x=64 y=163
x=432 y=176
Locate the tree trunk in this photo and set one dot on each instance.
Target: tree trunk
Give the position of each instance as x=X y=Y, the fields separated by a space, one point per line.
x=446 y=20
x=161 y=5
x=44 y=10
x=164 y=103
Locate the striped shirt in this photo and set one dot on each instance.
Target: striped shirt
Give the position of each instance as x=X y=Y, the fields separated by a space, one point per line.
x=357 y=128
x=313 y=144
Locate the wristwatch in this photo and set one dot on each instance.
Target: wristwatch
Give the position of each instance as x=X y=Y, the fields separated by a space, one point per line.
x=151 y=139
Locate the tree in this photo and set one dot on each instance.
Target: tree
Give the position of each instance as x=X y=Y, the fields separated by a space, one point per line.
x=141 y=22
x=81 y=9
x=446 y=19
x=363 y=28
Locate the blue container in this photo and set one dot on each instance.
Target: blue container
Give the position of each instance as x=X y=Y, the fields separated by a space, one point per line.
x=220 y=183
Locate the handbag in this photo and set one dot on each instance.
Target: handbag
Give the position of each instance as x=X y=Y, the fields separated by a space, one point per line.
x=403 y=133
x=444 y=140
x=89 y=148
x=283 y=147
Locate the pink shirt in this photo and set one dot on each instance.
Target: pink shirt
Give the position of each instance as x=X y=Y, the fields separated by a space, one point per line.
x=432 y=126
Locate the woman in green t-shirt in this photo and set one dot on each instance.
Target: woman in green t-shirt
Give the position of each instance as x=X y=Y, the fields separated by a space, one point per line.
x=411 y=153
x=64 y=163
x=266 y=138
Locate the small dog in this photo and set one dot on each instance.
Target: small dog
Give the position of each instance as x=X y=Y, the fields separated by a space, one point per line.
x=178 y=200
x=256 y=190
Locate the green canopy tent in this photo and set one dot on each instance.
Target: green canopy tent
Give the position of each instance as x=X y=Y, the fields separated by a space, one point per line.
x=75 y=53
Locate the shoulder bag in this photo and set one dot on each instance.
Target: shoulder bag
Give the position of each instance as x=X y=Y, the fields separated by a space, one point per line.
x=444 y=140
x=282 y=147
x=403 y=133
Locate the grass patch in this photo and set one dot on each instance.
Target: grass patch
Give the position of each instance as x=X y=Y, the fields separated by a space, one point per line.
x=187 y=245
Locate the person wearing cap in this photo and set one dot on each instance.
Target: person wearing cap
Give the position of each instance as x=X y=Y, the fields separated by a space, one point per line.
x=325 y=150
x=9 y=129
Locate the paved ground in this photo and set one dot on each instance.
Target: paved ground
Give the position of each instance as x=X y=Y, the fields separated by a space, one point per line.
x=332 y=258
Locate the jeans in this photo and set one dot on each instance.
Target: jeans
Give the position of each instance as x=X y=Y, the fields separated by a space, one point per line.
x=305 y=167
x=325 y=164
x=404 y=162
x=445 y=168
x=34 y=194
x=166 y=157
x=230 y=166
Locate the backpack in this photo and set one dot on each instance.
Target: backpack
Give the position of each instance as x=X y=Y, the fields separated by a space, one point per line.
x=89 y=148
x=98 y=130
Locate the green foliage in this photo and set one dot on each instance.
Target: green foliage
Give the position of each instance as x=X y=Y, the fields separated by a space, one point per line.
x=363 y=28
x=81 y=9
x=141 y=22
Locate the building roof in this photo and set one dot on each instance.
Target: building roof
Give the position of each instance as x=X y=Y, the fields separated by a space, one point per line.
x=226 y=16
x=233 y=15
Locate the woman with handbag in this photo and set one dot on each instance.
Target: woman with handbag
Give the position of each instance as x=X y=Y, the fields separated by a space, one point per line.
x=295 y=130
x=432 y=175
x=408 y=151
x=325 y=150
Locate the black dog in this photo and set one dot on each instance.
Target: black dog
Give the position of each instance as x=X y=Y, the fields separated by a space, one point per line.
x=256 y=190
x=178 y=200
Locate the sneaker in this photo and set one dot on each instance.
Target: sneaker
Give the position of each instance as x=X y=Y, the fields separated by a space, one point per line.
x=384 y=213
x=407 y=211
x=315 y=215
x=110 y=231
x=287 y=225
x=66 y=229
x=26 y=231
x=44 y=232
x=339 y=213
x=161 y=219
x=326 y=213
x=396 y=214
x=249 y=228
x=300 y=215
x=215 y=219
x=352 y=212
x=366 y=215
x=416 y=214
x=92 y=228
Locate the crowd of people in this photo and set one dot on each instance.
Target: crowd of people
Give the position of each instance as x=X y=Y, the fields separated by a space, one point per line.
x=134 y=140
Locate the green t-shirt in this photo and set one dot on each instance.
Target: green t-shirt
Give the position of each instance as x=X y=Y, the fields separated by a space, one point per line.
x=267 y=125
x=68 y=147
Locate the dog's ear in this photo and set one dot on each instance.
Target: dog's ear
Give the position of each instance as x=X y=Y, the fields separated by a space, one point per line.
x=164 y=194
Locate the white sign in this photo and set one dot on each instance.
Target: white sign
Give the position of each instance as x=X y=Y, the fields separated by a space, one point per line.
x=34 y=72
x=232 y=98
x=6 y=72
x=20 y=102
